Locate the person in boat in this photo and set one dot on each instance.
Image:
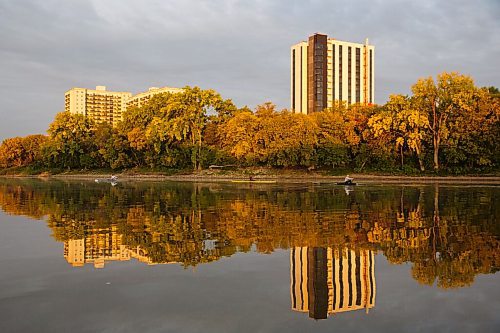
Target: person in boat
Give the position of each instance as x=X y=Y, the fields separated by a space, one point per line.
x=250 y=178
x=348 y=180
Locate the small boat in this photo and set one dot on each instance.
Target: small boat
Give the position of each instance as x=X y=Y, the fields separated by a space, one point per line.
x=346 y=184
x=254 y=181
x=113 y=180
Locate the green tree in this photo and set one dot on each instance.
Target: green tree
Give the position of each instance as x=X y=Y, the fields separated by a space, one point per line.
x=442 y=101
x=187 y=115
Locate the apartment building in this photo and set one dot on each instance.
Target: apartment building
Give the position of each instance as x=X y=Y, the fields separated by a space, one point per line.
x=325 y=71
x=102 y=105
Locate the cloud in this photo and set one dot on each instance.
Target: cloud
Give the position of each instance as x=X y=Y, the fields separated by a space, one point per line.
x=240 y=48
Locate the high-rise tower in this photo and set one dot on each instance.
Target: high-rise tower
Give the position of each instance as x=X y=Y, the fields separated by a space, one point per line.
x=325 y=70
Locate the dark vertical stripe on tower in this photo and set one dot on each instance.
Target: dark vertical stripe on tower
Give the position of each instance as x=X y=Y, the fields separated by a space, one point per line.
x=371 y=277
x=371 y=71
x=358 y=75
x=301 y=280
x=318 y=287
x=358 y=279
x=349 y=75
x=340 y=72
x=341 y=279
x=301 y=74
x=349 y=274
x=294 y=296
x=317 y=73
x=333 y=276
x=333 y=75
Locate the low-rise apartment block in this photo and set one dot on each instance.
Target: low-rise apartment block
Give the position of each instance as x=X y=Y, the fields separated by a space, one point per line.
x=106 y=106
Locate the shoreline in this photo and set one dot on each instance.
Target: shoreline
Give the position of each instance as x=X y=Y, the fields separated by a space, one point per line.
x=286 y=177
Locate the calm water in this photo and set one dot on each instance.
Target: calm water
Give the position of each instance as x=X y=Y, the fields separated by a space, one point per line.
x=182 y=257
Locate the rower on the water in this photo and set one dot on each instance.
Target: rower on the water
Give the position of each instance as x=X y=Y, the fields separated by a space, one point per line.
x=348 y=180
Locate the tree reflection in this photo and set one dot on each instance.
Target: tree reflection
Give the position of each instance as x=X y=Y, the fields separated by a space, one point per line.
x=448 y=234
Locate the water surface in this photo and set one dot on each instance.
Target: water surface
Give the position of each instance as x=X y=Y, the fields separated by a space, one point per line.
x=184 y=257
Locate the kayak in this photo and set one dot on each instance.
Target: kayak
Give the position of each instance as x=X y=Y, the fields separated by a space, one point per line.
x=346 y=184
x=254 y=181
x=113 y=180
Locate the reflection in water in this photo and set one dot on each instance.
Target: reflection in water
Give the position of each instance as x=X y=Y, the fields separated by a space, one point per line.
x=448 y=234
x=100 y=246
x=326 y=281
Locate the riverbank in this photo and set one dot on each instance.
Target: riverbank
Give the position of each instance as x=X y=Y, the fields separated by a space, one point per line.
x=280 y=176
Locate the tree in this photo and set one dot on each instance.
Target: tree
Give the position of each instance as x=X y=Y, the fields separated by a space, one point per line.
x=333 y=136
x=402 y=125
x=474 y=135
x=441 y=101
x=169 y=124
x=21 y=151
x=187 y=115
x=113 y=147
x=238 y=136
x=71 y=142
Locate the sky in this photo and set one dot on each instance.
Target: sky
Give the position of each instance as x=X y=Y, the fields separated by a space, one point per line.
x=240 y=48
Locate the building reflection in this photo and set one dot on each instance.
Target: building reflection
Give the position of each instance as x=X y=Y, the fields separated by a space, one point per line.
x=101 y=246
x=326 y=281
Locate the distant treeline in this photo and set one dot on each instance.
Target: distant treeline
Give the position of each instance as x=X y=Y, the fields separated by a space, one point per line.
x=446 y=124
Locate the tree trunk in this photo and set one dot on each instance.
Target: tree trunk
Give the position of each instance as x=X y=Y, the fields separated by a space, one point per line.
x=402 y=157
x=419 y=157
x=436 y=220
x=199 y=150
x=436 y=151
x=436 y=125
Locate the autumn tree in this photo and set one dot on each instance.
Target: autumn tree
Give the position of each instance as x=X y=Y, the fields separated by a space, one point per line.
x=442 y=101
x=402 y=125
x=334 y=138
x=21 y=151
x=238 y=136
x=474 y=135
x=71 y=143
x=171 y=123
x=113 y=147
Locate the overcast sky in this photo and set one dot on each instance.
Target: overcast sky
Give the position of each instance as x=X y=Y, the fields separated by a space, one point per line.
x=241 y=48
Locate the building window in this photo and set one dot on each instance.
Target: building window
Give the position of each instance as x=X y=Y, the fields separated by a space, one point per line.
x=349 y=74
x=333 y=71
x=358 y=75
x=301 y=69
x=371 y=78
x=340 y=72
